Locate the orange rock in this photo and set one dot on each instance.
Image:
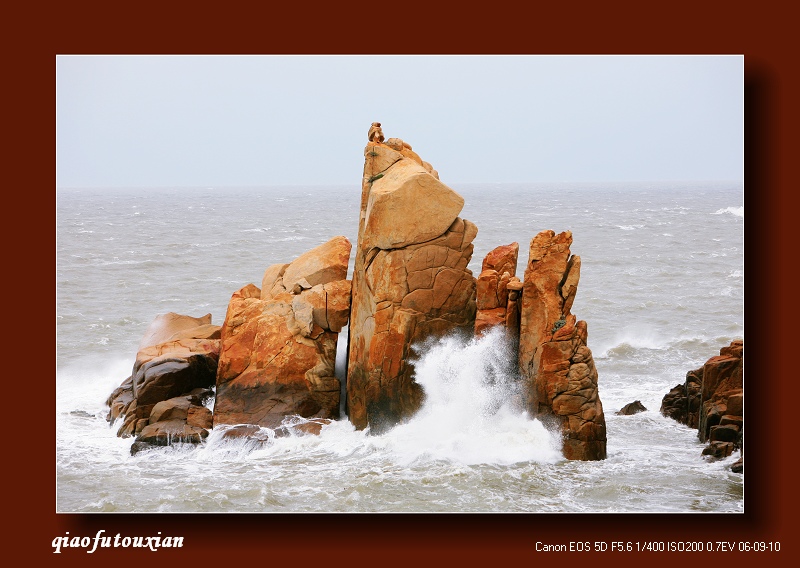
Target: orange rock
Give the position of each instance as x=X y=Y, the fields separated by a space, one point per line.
x=499 y=268
x=199 y=416
x=325 y=263
x=711 y=399
x=279 y=349
x=555 y=362
x=721 y=384
x=176 y=408
x=164 y=326
x=406 y=206
x=292 y=427
x=486 y=290
x=487 y=319
x=173 y=368
x=171 y=431
x=175 y=364
x=542 y=303
x=271 y=277
x=502 y=259
x=410 y=282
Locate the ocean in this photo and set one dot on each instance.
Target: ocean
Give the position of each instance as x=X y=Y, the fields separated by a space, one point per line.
x=661 y=289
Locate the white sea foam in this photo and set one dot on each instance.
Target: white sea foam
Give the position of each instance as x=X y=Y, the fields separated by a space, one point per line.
x=472 y=412
x=471 y=415
x=737 y=211
x=86 y=383
x=724 y=291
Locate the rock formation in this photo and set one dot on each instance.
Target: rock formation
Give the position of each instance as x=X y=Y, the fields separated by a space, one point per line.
x=711 y=400
x=182 y=419
x=410 y=280
x=279 y=342
x=499 y=269
x=555 y=363
x=632 y=408
x=682 y=403
x=272 y=361
x=175 y=365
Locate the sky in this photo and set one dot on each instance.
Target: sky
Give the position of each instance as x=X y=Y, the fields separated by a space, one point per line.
x=263 y=120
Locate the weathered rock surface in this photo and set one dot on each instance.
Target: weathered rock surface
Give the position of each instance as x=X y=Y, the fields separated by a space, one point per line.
x=722 y=384
x=492 y=295
x=120 y=399
x=682 y=403
x=632 y=408
x=175 y=366
x=172 y=368
x=293 y=427
x=410 y=281
x=279 y=345
x=165 y=326
x=718 y=449
x=555 y=362
x=514 y=307
x=711 y=400
x=391 y=224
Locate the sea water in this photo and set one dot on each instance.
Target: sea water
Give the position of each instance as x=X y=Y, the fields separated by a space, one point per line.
x=662 y=290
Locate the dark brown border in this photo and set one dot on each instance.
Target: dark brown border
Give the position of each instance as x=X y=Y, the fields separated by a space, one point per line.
x=771 y=90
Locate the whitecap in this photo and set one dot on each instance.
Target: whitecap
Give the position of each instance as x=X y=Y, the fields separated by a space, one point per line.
x=630 y=339
x=726 y=291
x=737 y=211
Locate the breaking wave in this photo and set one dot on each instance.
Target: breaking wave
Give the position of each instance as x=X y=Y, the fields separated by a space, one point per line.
x=737 y=211
x=472 y=412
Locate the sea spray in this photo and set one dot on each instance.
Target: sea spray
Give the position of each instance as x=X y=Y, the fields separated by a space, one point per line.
x=340 y=368
x=471 y=414
x=472 y=411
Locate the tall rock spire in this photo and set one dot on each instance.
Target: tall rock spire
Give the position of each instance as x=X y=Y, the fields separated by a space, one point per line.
x=555 y=362
x=410 y=280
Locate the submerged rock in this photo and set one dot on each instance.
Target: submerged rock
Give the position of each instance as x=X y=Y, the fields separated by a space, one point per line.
x=632 y=408
x=292 y=427
x=166 y=433
x=248 y=431
x=718 y=449
x=261 y=436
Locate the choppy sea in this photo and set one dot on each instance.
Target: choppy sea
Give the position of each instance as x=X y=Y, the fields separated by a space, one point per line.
x=662 y=290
